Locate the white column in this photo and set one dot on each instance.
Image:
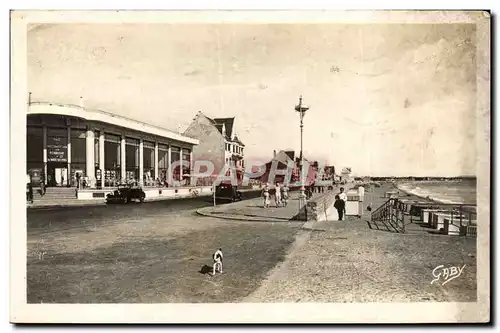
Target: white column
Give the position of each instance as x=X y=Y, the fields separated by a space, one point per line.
x=191 y=178
x=67 y=176
x=44 y=131
x=170 y=171
x=156 y=161
x=101 y=154
x=122 y=158
x=89 y=155
x=141 y=162
x=181 y=166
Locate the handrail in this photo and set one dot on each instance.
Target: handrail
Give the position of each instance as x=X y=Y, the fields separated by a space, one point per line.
x=393 y=212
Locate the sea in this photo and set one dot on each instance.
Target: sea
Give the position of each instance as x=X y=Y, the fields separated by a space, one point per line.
x=453 y=192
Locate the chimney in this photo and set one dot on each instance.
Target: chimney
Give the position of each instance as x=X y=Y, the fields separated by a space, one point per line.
x=224 y=129
x=29 y=99
x=81 y=102
x=274 y=153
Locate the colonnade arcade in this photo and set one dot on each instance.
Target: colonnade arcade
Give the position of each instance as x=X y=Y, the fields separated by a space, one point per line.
x=66 y=149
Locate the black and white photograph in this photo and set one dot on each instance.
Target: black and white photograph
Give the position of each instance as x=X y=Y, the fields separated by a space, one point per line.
x=334 y=162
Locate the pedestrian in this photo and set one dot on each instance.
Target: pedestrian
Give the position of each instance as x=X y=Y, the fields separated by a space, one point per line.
x=339 y=206
x=284 y=195
x=343 y=200
x=62 y=180
x=277 y=195
x=42 y=187
x=30 y=192
x=265 y=194
x=27 y=192
x=78 y=179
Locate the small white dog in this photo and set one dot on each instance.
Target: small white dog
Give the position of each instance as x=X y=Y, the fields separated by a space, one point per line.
x=218 y=256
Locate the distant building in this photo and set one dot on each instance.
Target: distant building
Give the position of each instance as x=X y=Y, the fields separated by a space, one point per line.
x=346 y=174
x=217 y=142
x=283 y=158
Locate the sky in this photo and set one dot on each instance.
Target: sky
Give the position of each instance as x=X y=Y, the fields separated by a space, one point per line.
x=385 y=99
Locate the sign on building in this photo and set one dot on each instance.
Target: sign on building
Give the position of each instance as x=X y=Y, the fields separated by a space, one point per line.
x=57 y=149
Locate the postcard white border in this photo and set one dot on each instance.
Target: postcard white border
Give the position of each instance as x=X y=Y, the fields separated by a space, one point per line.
x=258 y=312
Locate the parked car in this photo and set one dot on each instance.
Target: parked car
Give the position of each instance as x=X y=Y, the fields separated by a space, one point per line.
x=126 y=194
x=228 y=192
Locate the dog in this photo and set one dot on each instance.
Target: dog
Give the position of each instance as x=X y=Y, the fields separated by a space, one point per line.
x=217 y=256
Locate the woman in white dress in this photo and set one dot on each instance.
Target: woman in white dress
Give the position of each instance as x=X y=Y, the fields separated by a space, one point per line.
x=265 y=194
x=277 y=195
x=284 y=195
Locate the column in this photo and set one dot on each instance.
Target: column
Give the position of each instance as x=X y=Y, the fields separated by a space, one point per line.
x=181 y=176
x=67 y=176
x=101 y=154
x=191 y=178
x=123 y=168
x=44 y=131
x=156 y=161
x=89 y=155
x=141 y=162
x=170 y=171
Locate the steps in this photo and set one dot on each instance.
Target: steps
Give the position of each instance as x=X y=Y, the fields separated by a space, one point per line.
x=54 y=194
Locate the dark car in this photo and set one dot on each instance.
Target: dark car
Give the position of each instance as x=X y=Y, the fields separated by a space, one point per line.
x=126 y=194
x=228 y=192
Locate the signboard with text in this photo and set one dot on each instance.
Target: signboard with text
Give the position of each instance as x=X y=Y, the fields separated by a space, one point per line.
x=57 y=149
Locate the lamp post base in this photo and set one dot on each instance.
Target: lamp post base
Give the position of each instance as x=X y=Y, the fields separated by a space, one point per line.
x=302 y=197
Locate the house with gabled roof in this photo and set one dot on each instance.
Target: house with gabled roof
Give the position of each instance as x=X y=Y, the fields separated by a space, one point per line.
x=218 y=142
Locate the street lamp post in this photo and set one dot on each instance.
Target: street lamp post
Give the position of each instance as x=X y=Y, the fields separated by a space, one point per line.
x=301 y=109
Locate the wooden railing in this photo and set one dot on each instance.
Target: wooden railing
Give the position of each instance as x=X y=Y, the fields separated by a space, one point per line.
x=396 y=214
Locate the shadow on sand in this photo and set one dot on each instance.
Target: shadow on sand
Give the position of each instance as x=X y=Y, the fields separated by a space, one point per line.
x=205 y=269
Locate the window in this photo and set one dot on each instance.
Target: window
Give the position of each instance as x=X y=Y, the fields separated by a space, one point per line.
x=186 y=156
x=176 y=156
x=163 y=162
x=34 y=149
x=132 y=159
x=112 y=158
x=148 y=158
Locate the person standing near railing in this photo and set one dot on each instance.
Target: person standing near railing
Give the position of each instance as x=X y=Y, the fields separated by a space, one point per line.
x=342 y=203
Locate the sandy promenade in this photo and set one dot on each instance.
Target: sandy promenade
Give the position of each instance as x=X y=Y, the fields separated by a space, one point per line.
x=349 y=262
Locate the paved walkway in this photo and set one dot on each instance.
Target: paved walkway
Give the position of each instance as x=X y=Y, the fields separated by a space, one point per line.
x=346 y=261
x=253 y=210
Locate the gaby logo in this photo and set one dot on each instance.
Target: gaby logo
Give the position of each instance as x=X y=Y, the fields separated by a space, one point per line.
x=446 y=273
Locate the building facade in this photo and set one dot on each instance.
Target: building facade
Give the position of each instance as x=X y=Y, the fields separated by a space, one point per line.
x=217 y=142
x=66 y=143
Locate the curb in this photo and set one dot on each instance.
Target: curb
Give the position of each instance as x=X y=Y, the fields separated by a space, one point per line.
x=245 y=219
x=103 y=203
x=94 y=204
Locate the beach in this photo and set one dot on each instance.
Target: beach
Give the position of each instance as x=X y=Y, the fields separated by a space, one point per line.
x=446 y=192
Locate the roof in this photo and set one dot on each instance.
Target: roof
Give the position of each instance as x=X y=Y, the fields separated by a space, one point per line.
x=229 y=122
x=282 y=157
x=291 y=154
x=106 y=117
x=237 y=140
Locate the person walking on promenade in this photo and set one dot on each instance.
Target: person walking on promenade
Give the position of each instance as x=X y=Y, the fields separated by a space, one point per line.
x=30 y=192
x=338 y=205
x=284 y=195
x=277 y=195
x=342 y=203
x=78 y=180
x=265 y=194
x=42 y=187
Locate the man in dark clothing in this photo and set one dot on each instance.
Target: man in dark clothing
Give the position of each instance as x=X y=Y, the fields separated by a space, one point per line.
x=42 y=187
